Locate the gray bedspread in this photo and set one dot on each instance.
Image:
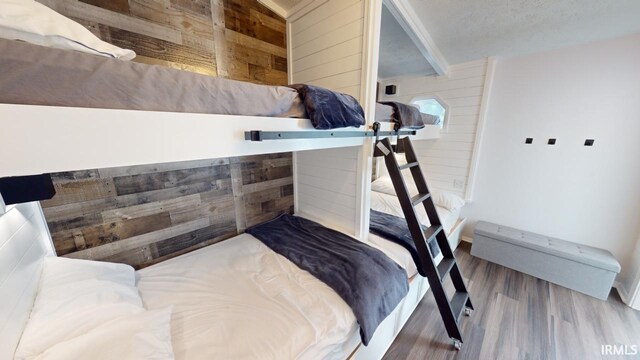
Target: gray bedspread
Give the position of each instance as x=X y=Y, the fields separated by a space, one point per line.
x=364 y=277
x=37 y=75
x=329 y=109
x=408 y=116
x=395 y=229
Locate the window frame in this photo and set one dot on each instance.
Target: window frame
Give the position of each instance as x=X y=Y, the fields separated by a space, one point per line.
x=444 y=104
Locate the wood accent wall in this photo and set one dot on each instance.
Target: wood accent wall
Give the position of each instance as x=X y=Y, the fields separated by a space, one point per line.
x=141 y=215
x=236 y=39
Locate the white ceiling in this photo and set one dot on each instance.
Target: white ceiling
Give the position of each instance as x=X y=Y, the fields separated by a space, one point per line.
x=398 y=53
x=465 y=30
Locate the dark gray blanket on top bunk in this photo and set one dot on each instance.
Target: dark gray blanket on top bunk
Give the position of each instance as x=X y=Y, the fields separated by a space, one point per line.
x=364 y=277
x=395 y=229
x=329 y=109
x=408 y=116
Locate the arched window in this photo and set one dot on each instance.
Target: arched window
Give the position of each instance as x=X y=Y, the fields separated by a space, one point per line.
x=434 y=106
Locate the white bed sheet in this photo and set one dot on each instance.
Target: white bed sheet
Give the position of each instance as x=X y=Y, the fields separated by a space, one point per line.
x=239 y=300
x=390 y=204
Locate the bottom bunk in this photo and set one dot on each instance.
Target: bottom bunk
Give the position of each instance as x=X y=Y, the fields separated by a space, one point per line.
x=234 y=299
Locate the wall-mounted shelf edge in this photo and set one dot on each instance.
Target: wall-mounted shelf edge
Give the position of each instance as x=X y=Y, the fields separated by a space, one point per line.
x=259 y=135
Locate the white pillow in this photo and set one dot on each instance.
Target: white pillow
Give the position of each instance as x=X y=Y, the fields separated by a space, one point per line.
x=447 y=200
x=74 y=297
x=30 y=21
x=146 y=335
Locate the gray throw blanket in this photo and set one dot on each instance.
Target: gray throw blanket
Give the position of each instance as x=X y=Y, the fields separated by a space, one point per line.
x=364 y=277
x=408 y=116
x=395 y=229
x=329 y=109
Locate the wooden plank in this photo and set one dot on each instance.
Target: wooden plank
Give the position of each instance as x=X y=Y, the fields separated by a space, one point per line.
x=197 y=246
x=151 y=208
x=176 y=17
x=156 y=168
x=70 y=211
x=238 y=194
x=106 y=250
x=220 y=37
x=266 y=184
x=265 y=20
x=239 y=38
x=114 y=19
x=220 y=208
x=252 y=176
x=118 y=230
x=200 y=7
x=69 y=192
x=163 y=50
x=121 y=6
x=146 y=182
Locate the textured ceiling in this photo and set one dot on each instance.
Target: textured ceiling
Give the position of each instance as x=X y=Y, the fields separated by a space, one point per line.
x=398 y=54
x=465 y=30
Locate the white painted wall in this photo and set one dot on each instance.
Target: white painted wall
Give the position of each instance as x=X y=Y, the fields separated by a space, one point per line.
x=325 y=46
x=326 y=187
x=589 y=195
x=334 y=45
x=24 y=241
x=448 y=159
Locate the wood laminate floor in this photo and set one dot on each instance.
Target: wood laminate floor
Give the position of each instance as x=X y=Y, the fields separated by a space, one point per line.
x=518 y=316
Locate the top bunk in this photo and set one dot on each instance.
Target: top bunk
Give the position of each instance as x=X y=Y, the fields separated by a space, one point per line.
x=69 y=110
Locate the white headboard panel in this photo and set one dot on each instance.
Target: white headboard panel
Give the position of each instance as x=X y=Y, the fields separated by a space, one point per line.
x=24 y=242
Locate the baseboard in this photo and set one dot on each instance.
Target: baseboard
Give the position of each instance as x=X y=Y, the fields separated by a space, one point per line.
x=624 y=295
x=468 y=239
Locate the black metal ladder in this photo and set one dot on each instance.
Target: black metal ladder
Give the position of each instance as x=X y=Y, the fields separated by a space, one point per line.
x=450 y=309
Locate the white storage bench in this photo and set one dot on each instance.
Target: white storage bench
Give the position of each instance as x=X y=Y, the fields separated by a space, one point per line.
x=582 y=268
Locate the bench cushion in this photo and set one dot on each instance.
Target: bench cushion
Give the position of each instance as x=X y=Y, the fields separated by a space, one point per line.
x=579 y=253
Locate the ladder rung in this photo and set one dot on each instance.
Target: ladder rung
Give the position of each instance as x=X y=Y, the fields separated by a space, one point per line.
x=409 y=165
x=418 y=199
x=445 y=266
x=431 y=231
x=458 y=303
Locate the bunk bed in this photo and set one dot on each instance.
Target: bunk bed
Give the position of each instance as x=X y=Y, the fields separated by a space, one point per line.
x=52 y=97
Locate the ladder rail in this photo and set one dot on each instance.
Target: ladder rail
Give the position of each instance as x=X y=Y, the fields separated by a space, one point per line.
x=450 y=309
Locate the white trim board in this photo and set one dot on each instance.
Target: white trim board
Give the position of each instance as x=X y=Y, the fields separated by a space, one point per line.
x=482 y=119
x=295 y=11
x=66 y=140
x=406 y=16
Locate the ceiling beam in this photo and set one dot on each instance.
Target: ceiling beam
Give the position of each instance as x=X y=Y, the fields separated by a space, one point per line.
x=406 y=16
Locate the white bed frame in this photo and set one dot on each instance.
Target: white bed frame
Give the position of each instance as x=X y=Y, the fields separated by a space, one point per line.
x=44 y=139
x=24 y=242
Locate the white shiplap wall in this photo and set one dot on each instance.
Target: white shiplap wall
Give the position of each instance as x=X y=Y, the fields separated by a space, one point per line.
x=327 y=186
x=447 y=160
x=24 y=241
x=325 y=46
x=326 y=49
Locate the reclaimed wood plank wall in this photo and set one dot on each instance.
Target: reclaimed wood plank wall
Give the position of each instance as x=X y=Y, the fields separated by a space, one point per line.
x=140 y=215
x=236 y=39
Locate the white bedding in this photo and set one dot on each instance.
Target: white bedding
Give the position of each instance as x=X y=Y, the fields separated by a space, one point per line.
x=391 y=205
x=239 y=300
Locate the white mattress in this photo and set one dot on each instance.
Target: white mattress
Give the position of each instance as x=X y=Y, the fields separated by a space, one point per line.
x=391 y=205
x=239 y=300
